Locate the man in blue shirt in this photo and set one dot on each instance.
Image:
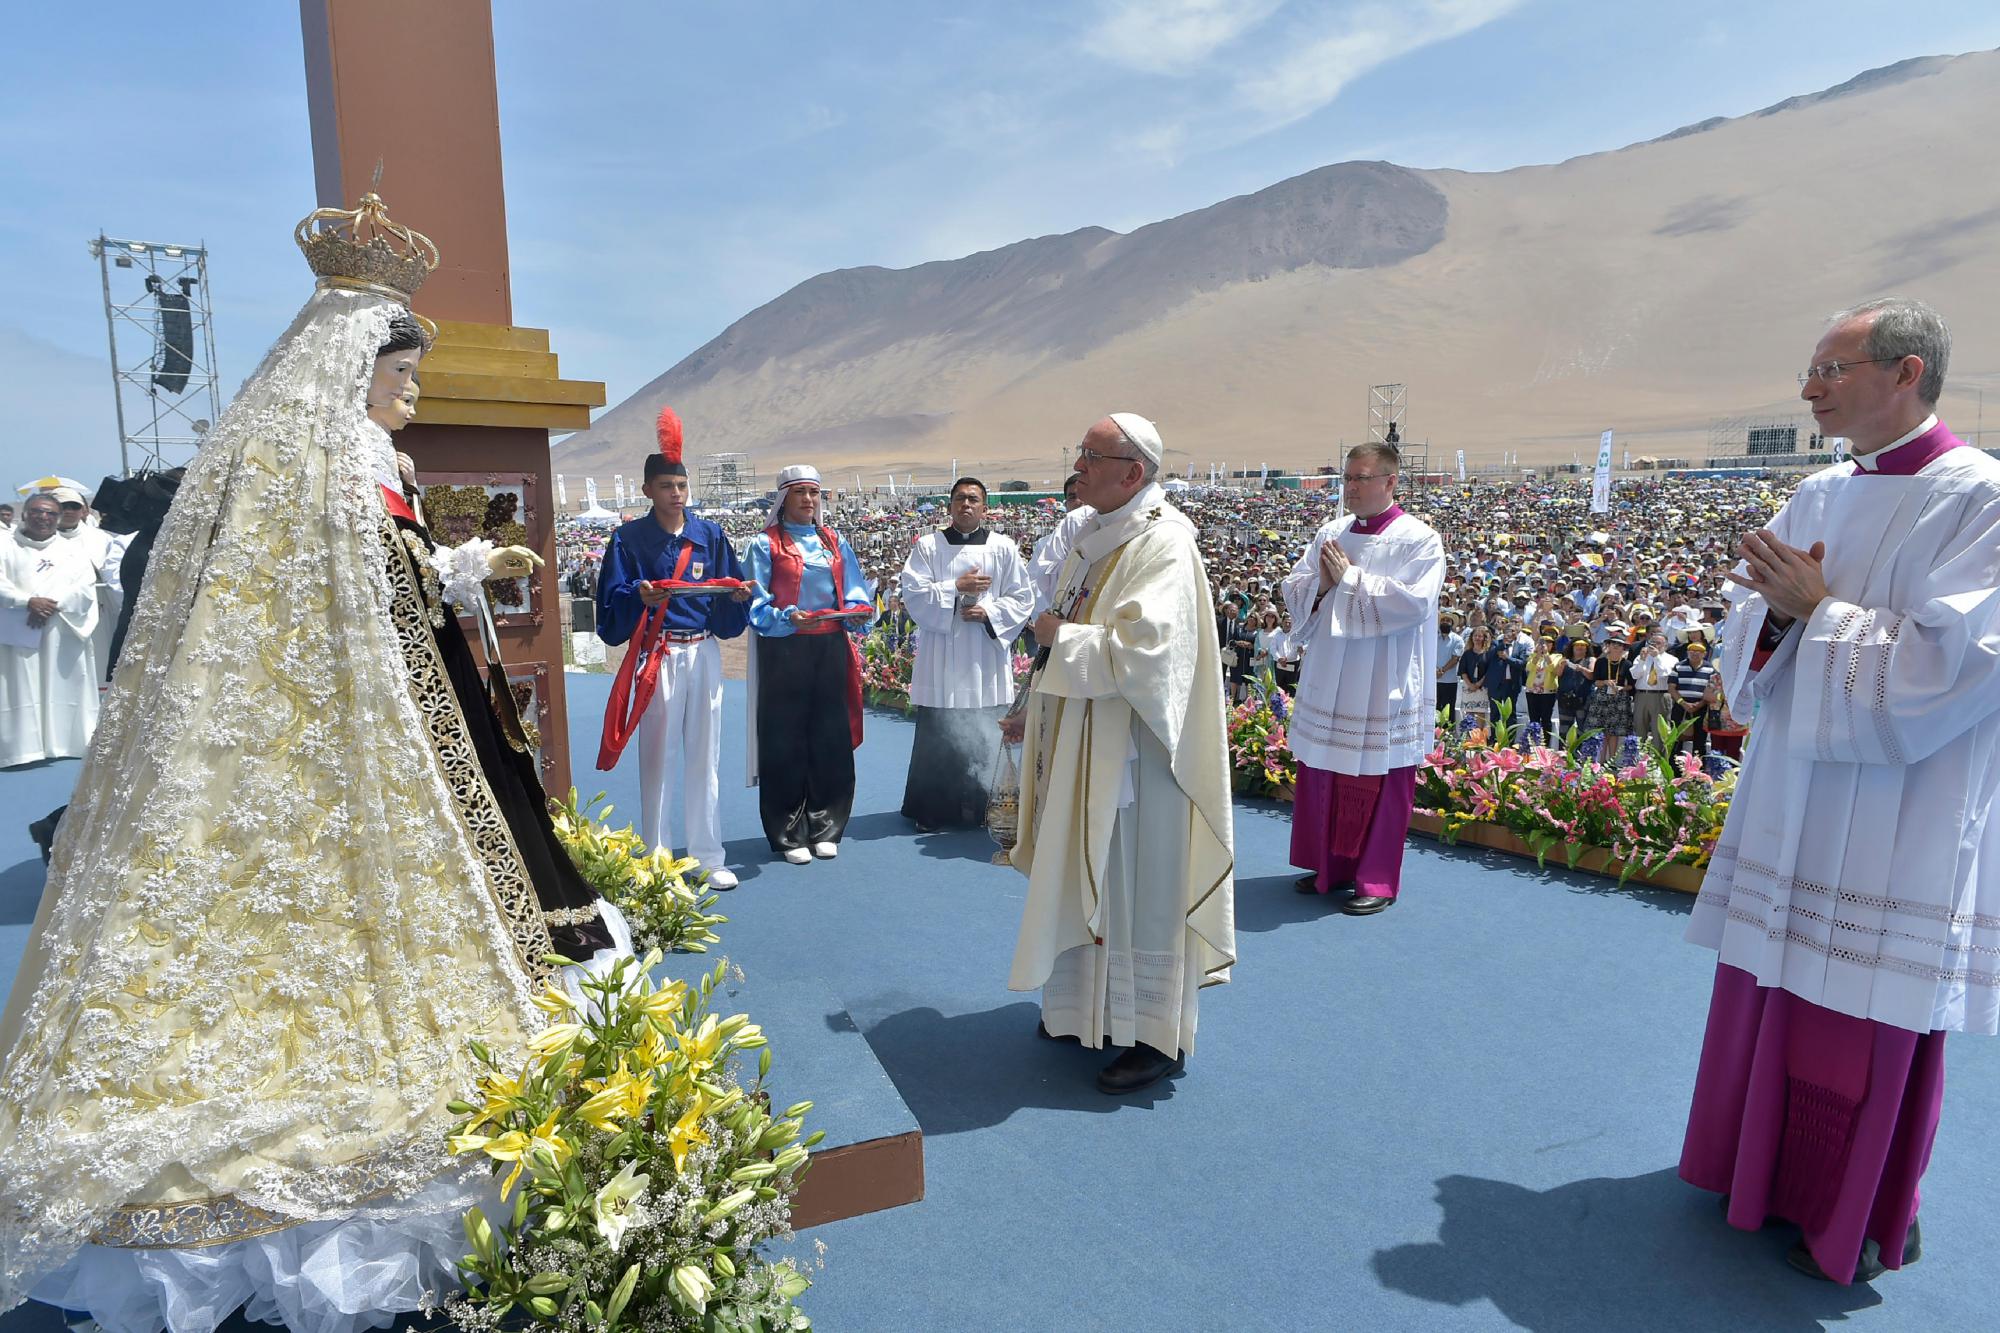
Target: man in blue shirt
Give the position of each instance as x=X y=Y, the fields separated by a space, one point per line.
x=682 y=724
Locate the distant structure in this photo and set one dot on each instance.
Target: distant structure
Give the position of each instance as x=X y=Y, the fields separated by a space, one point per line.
x=1773 y=439
x=163 y=371
x=727 y=479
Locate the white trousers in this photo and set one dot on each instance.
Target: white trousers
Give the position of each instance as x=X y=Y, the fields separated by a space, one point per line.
x=682 y=728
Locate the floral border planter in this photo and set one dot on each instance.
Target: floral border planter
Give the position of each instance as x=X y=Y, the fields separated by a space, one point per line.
x=1594 y=860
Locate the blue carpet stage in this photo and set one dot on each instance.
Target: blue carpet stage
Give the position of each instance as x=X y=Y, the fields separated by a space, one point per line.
x=1464 y=1113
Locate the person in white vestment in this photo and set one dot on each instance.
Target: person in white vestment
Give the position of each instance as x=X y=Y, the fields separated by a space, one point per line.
x=275 y=914
x=48 y=661
x=1364 y=604
x=1126 y=831
x=1854 y=894
x=1045 y=563
x=967 y=590
x=106 y=549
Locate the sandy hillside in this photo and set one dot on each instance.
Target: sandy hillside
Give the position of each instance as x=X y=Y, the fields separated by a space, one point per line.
x=1654 y=289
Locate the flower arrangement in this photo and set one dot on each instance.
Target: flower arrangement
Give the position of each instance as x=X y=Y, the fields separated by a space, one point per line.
x=888 y=660
x=642 y=1175
x=1648 y=806
x=460 y=514
x=666 y=913
x=1260 y=759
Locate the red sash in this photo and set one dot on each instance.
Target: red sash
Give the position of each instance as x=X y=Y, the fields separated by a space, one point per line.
x=398 y=506
x=788 y=572
x=638 y=676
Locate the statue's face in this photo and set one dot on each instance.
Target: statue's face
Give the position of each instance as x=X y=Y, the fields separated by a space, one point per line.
x=393 y=372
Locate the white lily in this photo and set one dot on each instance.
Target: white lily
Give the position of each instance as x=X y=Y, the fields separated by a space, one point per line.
x=618 y=1202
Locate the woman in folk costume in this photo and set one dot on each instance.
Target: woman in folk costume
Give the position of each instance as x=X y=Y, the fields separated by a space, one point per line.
x=486 y=726
x=271 y=924
x=805 y=672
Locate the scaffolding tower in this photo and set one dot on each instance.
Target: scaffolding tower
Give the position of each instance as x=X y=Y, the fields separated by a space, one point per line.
x=164 y=377
x=728 y=479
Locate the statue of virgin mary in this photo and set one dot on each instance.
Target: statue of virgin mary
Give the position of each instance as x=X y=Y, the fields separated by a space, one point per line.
x=282 y=899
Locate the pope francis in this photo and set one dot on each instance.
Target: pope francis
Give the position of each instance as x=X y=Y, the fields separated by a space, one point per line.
x=1126 y=833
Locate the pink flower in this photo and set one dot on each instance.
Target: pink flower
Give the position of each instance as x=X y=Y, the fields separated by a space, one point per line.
x=1437 y=758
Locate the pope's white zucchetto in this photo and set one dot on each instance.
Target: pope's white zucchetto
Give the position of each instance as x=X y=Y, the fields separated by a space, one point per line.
x=1143 y=434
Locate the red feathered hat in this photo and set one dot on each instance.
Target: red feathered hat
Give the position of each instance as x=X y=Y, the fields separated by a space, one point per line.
x=667 y=462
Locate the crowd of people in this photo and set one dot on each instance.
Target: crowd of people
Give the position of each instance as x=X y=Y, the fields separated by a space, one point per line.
x=1607 y=622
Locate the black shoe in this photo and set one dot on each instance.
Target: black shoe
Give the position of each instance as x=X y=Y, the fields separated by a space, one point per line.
x=1140 y=1067
x=1870 y=1266
x=1365 y=904
x=923 y=827
x=43 y=831
x=1310 y=884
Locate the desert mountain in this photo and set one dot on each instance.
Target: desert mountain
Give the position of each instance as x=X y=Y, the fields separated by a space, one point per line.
x=1655 y=289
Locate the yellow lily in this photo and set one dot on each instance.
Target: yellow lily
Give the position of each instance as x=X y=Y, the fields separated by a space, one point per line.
x=555 y=1001
x=618 y=1098
x=501 y=1095
x=687 y=1133
x=700 y=1049
x=662 y=1005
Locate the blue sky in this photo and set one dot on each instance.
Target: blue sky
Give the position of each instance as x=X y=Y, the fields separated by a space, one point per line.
x=671 y=164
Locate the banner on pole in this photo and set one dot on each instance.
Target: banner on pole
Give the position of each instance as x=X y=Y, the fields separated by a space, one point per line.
x=590 y=492
x=562 y=493
x=1461 y=465
x=1600 y=486
x=1839 y=446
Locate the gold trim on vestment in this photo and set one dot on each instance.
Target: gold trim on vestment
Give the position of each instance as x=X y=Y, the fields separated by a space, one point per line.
x=486 y=828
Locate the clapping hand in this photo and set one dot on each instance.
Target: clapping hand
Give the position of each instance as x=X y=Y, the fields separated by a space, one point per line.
x=1333 y=563
x=1790 y=579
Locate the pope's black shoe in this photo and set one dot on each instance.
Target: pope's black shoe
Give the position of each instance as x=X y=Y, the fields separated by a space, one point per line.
x=1139 y=1067
x=1365 y=904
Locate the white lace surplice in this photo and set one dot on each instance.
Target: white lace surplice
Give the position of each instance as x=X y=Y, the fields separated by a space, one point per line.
x=1859 y=867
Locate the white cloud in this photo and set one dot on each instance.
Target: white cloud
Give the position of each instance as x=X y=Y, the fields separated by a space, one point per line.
x=1172 y=36
x=1323 y=58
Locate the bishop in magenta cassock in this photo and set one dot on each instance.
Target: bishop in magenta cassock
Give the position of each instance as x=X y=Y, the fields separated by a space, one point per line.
x=1364 y=604
x=1854 y=895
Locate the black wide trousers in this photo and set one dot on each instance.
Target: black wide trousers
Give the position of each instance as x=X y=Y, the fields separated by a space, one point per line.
x=805 y=752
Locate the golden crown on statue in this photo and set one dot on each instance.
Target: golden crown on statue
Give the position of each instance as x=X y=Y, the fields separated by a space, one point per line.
x=363 y=249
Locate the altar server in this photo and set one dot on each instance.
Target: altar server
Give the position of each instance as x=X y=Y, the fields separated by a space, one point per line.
x=1364 y=604
x=804 y=717
x=1126 y=830
x=966 y=588
x=681 y=726
x=48 y=667
x=1854 y=895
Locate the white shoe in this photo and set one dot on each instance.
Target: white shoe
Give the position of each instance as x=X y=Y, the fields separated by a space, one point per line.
x=719 y=878
x=826 y=851
x=798 y=856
